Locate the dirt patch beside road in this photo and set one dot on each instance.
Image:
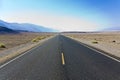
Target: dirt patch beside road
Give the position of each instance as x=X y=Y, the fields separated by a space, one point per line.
x=11 y=52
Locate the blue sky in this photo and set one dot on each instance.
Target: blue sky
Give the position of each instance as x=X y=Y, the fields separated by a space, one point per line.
x=64 y=15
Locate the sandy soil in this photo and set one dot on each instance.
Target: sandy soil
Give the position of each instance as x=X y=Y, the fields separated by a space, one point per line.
x=13 y=40
x=19 y=43
x=106 y=41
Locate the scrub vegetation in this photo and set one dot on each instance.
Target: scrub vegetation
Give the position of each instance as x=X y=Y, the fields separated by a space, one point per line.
x=12 y=40
x=38 y=38
x=95 y=42
x=106 y=41
x=2 y=45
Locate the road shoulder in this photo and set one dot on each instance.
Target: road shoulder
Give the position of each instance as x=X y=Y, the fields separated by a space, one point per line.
x=97 y=49
x=18 y=50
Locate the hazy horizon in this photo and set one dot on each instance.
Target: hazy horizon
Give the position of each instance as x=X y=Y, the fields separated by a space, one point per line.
x=63 y=15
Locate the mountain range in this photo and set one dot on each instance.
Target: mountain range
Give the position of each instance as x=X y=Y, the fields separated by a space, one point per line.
x=117 y=28
x=22 y=27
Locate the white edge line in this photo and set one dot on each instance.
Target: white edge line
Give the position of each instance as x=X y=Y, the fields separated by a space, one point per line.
x=96 y=50
x=3 y=65
x=17 y=57
x=101 y=53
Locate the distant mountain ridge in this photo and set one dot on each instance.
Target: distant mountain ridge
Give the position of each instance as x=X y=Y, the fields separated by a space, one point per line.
x=117 y=28
x=6 y=30
x=25 y=27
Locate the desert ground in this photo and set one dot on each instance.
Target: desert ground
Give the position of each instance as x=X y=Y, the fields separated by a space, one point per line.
x=12 y=45
x=13 y=40
x=106 y=41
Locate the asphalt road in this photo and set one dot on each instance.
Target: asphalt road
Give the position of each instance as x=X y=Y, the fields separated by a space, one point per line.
x=45 y=62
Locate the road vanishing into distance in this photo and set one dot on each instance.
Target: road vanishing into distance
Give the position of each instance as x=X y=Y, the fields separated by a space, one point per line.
x=61 y=58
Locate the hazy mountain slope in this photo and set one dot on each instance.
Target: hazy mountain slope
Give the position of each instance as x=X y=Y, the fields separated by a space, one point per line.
x=113 y=29
x=6 y=30
x=30 y=27
x=25 y=27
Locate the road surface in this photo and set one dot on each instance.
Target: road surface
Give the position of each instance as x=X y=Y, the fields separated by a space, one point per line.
x=61 y=58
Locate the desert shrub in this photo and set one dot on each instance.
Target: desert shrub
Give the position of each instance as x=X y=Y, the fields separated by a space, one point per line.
x=94 y=42
x=113 y=41
x=38 y=38
x=42 y=37
x=35 y=40
x=2 y=45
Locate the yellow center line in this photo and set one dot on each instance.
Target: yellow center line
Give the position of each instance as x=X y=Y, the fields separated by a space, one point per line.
x=63 y=59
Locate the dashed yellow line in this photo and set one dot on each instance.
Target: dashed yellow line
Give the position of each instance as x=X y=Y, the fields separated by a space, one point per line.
x=63 y=59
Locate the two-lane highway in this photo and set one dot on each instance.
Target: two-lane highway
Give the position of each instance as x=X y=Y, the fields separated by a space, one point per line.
x=41 y=63
x=61 y=58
